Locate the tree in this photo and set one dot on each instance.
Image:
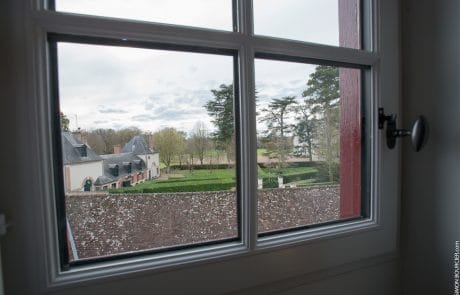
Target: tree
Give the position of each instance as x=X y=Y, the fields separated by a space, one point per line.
x=97 y=143
x=167 y=142
x=323 y=93
x=102 y=141
x=181 y=148
x=124 y=135
x=200 y=140
x=277 y=127
x=220 y=108
x=306 y=129
x=64 y=122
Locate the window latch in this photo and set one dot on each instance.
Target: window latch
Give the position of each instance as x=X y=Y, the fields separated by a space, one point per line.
x=418 y=133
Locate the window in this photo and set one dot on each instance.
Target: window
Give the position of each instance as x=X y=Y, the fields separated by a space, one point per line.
x=147 y=111
x=364 y=220
x=215 y=14
x=335 y=22
x=128 y=99
x=304 y=144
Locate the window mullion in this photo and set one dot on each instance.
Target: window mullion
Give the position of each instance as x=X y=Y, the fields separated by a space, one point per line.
x=248 y=147
x=245 y=20
x=248 y=157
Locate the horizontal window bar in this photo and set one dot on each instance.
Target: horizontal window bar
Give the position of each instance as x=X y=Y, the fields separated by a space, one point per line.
x=270 y=47
x=79 y=39
x=71 y=24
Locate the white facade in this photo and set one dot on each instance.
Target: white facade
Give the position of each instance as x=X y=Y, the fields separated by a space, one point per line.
x=79 y=173
x=152 y=162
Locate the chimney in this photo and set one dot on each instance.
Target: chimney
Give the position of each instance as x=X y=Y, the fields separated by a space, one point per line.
x=81 y=135
x=117 y=149
x=78 y=134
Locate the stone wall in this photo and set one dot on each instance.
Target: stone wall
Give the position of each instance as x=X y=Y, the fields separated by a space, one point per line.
x=107 y=224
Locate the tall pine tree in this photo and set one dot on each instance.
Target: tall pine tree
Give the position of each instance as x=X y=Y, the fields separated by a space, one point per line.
x=323 y=93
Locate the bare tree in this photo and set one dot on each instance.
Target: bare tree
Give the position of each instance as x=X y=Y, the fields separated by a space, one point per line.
x=200 y=140
x=167 y=142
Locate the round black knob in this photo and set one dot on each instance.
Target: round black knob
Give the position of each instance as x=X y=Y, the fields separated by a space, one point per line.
x=419 y=133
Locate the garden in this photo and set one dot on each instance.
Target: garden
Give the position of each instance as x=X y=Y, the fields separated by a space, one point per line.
x=222 y=178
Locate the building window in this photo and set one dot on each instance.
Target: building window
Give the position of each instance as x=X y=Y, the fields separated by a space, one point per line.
x=191 y=124
x=303 y=129
x=216 y=14
x=194 y=125
x=264 y=139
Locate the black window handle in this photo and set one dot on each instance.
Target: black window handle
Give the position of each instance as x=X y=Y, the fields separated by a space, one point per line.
x=418 y=133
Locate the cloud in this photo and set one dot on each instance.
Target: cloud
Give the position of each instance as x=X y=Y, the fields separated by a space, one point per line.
x=105 y=110
x=193 y=69
x=143 y=118
x=98 y=122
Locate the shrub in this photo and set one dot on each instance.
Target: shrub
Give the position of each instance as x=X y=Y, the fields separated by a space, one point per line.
x=186 y=187
x=323 y=173
x=299 y=176
x=201 y=167
x=292 y=164
x=270 y=182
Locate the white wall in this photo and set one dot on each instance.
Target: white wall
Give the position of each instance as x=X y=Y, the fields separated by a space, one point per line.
x=82 y=171
x=152 y=162
x=431 y=178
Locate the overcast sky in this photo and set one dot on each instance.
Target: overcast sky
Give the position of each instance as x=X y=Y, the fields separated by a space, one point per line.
x=117 y=87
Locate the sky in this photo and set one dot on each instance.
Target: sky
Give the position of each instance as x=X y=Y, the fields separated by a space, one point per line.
x=118 y=87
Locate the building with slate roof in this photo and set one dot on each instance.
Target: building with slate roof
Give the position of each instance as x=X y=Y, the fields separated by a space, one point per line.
x=84 y=170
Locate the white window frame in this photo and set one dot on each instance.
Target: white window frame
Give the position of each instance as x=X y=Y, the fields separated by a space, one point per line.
x=233 y=266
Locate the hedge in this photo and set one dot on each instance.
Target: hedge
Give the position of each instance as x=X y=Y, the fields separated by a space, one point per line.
x=272 y=182
x=292 y=164
x=299 y=176
x=183 y=188
x=200 y=167
x=269 y=182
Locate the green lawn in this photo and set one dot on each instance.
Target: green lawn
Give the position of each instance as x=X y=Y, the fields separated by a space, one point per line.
x=217 y=180
x=186 y=181
x=287 y=171
x=261 y=152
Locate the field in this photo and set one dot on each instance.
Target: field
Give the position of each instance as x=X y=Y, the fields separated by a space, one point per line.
x=221 y=179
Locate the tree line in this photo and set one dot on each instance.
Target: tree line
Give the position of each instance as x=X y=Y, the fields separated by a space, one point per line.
x=305 y=128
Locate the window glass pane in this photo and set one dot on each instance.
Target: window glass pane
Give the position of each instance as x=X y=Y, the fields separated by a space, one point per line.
x=148 y=147
x=309 y=144
x=330 y=22
x=213 y=14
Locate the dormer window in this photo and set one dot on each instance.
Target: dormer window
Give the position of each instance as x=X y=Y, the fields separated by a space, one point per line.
x=127 y=166
x=113 y=168
x=82 y=150
x=138 y=164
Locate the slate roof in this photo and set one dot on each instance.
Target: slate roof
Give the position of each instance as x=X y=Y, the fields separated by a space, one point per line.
x=138 y=146
x=111 y=224
x=71 y=150
x=104 y=179
x=137 y=165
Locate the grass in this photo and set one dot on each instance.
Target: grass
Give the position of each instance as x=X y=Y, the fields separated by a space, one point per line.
x=261 y=152
x=197 y=180
x=289 y=171
x=217 y=180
